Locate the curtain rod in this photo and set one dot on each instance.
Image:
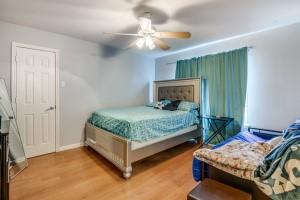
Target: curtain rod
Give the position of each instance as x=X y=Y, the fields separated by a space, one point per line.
x=170 y=63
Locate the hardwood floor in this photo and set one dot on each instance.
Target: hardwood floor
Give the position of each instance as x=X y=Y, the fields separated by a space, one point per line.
x=83 y=174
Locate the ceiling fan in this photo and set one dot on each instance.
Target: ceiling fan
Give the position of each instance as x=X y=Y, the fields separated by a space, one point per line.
x=149 y=37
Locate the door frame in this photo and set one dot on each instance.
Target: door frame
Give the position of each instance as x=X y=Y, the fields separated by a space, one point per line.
x=15 y=45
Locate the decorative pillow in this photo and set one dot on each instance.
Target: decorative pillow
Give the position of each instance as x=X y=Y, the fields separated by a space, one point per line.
x=165 y=101
x=162 y=103
x=172 y=106
x=188 y=106
x=156 y=103
x=159 y=105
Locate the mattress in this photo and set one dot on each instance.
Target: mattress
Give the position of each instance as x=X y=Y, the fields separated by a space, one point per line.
x=142 y=123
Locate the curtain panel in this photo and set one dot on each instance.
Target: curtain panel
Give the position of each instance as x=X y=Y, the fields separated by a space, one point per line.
x=225 y=83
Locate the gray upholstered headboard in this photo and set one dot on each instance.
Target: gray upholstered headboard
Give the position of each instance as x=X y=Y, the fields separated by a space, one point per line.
x=176 y=92
x=181 y=89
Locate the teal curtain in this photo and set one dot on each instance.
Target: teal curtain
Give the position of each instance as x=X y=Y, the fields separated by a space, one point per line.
x=224 y=86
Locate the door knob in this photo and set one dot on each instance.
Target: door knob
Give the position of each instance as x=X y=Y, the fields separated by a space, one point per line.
x=51 y=108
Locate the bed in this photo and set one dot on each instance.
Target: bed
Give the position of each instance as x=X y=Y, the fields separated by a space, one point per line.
x=126 y=135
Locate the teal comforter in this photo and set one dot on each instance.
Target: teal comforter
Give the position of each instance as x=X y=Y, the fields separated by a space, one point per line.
x=142 y=123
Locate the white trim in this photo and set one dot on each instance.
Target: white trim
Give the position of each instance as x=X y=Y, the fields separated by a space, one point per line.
x=15 y=45
x=21 y=159
x=71 y=146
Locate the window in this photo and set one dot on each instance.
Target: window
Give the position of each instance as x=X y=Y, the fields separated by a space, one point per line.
x=246 y=113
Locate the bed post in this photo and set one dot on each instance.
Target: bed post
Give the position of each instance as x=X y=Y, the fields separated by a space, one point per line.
x=127 y=161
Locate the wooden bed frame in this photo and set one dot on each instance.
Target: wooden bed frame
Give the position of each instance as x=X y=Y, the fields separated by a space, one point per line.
x=123 y=152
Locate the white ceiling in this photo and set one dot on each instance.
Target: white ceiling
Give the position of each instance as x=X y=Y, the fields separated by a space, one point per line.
x=207 y=20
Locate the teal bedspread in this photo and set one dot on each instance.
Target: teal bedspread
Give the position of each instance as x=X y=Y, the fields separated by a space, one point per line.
x=142 y=123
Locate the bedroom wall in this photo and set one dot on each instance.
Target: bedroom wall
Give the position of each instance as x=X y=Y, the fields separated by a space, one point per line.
x=92 y=78
x=273 y=73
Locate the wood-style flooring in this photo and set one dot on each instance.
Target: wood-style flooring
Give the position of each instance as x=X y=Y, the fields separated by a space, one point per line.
x=83 y=174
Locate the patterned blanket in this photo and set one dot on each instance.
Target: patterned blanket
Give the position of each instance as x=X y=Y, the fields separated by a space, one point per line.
x=279 y=174
x=237 y=157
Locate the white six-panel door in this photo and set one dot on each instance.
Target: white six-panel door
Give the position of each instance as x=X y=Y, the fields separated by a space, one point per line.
x=35 y=100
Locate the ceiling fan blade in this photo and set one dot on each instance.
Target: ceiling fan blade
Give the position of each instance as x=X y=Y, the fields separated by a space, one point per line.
x=181 y=35
x=125 y=34
x=161 y=44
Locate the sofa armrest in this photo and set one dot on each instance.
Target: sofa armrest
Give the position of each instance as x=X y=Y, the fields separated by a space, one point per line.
x=264 y=133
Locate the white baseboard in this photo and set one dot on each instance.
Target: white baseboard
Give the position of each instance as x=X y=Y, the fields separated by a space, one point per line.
x=71 y=146
x=19 y=160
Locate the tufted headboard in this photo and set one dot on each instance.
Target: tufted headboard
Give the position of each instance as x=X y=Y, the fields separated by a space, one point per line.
x=179 y=89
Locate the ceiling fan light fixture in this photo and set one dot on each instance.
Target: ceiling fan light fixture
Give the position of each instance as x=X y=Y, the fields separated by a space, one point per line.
x=152 y=46
x=140 y=42
x=145 y=24
x=149 y=41
x=140 y=33
x=147 y=35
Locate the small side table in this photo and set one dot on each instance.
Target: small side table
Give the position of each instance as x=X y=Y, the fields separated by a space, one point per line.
x=217 y=125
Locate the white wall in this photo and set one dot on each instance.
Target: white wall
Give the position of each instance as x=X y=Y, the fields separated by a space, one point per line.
x=273 y=73
x=92 y=80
